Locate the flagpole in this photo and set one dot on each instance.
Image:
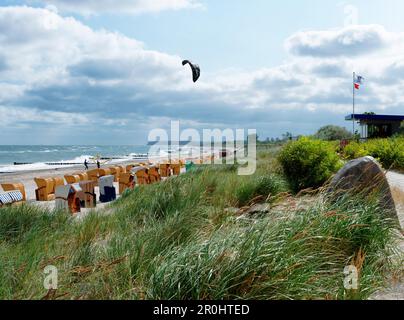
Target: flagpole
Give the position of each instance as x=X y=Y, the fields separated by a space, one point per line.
x=353 y=104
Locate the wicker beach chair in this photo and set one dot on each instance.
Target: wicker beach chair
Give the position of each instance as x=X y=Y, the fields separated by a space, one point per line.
x=67 y=198
x=5 y=199
x=126 y=181
x=129 y=167
x=45 y=189
x=70 y=179
x=88 y=188
x=58 y=181
x=15 y=186
x=107 y=189
x=119 y=170
x=16 y=196
x=11 y=198
x=154 y=174
x=123 y=169
x=83 y=176
x=115 y=171
x=104 y=172
x=141 y=175
x=165 y=170
x=93 y=175
x=61 y=197
x=176 y=169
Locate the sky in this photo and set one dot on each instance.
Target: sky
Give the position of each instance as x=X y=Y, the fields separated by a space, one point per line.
x=109 y=72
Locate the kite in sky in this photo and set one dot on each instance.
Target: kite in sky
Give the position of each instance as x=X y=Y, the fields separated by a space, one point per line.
x=196 y=71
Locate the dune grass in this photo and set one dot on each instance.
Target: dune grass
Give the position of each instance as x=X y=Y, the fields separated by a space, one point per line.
x=178 y=240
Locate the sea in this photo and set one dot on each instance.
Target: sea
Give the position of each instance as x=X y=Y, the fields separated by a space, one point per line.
x=37 y=157
x=16 y=158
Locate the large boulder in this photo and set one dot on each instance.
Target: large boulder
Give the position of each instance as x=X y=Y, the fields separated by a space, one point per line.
x=364 y=176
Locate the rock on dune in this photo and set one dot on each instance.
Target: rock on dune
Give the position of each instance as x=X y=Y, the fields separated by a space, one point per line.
x=364 y=176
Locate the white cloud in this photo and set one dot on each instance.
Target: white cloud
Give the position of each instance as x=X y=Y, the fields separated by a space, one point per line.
x=17 y=116
x=350 y=41
x=88 y=7
x=57 y=70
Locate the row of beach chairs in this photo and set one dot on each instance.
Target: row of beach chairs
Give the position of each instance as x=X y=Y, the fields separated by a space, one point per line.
x=79 y=190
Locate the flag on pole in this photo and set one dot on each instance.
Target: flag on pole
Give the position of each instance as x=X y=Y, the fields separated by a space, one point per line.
x=358 y=82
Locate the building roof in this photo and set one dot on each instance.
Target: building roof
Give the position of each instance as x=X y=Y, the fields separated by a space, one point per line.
x=375 y=117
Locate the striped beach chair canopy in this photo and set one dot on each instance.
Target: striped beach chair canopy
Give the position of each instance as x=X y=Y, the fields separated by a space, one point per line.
x=5 y=199
x=16 y=195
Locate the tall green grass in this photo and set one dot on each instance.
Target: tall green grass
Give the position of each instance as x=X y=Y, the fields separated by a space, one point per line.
x=177 y=240
x=285 y=257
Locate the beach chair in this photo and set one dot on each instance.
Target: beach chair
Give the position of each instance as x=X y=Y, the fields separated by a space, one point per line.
x=112 y=170
x=88 y=188
x=15 y=186
x=176 y=169
x=107 y=189
x=164 y=169
x=61 y=197
x=5 y=199
x=83 y=176
x=67 y=198
x=126 y=181
x=11 y=198
x=154 y=174
x=115 y=171
x=104 y=172
x=75 y=198
x=70 y=179
x=119 y=170
x=93 y=175
x=130 y=167
x=16 y=196
x=58 y=181
x=45 y=189
x=141 y=175
x=123 y=169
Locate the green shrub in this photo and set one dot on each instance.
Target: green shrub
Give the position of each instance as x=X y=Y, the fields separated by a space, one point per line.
x=389 y=152
x=355 y=150
x=382 y=150
x=308 y=163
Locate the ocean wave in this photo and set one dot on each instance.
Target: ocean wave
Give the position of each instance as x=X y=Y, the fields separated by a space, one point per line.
x=30 y=151
x=44 y=165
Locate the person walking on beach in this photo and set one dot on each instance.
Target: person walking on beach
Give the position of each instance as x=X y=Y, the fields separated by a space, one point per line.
x=86 y=164
x=98 y=164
